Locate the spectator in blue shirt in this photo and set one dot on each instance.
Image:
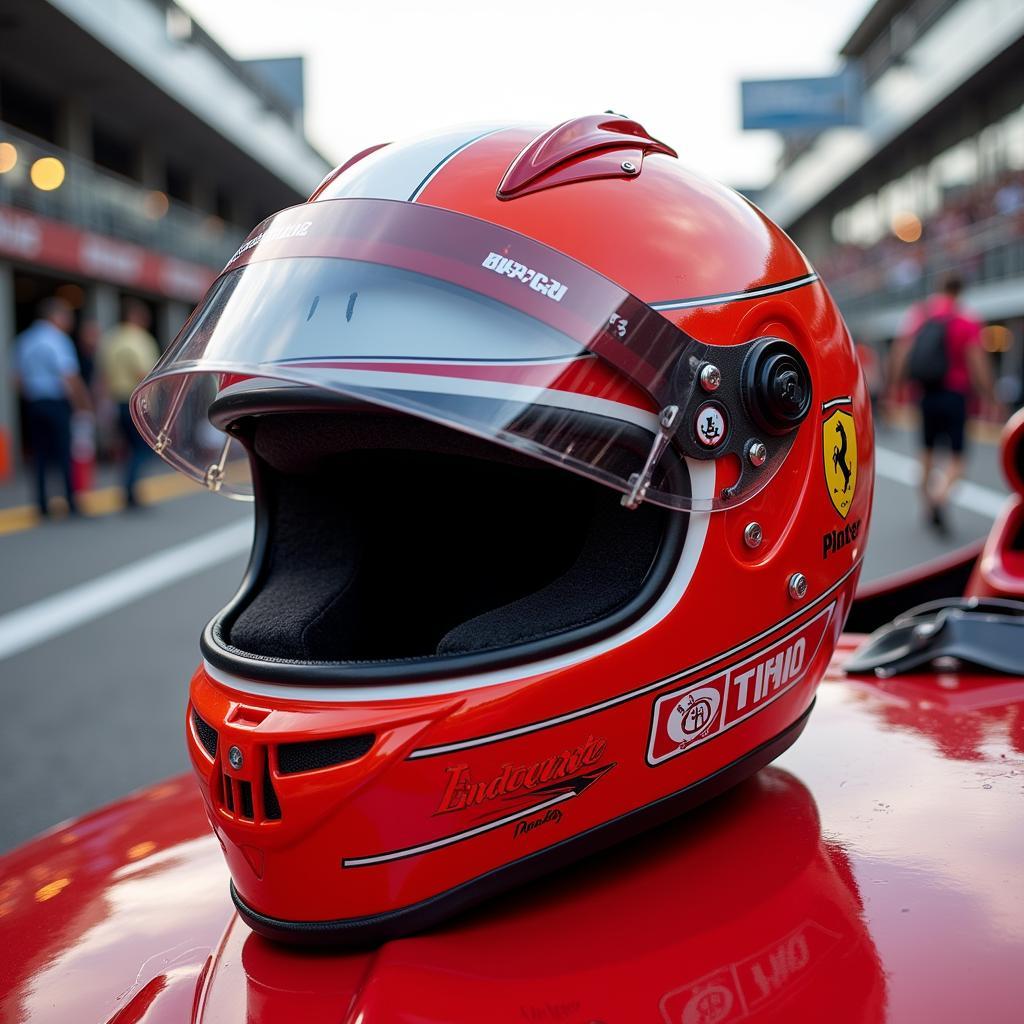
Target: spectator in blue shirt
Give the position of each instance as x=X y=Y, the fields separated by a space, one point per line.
x=48 y=375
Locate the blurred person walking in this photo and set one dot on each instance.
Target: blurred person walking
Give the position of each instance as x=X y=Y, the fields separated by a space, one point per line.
x=127 y=353
x=48 y=375
x=940 y=351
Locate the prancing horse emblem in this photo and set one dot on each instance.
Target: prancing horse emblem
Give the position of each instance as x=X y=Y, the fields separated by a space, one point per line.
x=839 y=448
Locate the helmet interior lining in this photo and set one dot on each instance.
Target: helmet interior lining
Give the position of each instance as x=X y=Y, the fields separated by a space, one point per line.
x=389 y=538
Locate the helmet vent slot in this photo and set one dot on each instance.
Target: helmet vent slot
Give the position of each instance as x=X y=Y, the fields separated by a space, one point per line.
x=307 y=757
x=206 y=734
x=271 y=806
x=229 y=793
x=245 y=799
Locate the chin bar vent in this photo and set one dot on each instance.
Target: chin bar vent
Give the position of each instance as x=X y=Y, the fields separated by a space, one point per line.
x=254 y=799
x=239 y=797
x=206 y=734
x=271 y=806
x=307 y=757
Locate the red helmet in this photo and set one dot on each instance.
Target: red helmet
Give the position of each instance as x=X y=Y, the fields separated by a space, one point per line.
x=562 y=466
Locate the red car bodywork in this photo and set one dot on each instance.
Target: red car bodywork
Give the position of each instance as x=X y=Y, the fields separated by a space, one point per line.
x=873 y=872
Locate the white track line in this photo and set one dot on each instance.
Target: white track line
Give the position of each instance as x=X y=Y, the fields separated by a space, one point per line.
x=972 y=497
x=77 y=605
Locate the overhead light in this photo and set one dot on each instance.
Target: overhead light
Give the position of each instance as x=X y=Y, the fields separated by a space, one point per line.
x=156 y=204
x=996 y=338
x=906 y=226
x=47 y=173
x=179 y=25
x=8 y=157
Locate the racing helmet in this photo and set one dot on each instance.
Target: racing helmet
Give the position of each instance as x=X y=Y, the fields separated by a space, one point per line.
x=561 y=459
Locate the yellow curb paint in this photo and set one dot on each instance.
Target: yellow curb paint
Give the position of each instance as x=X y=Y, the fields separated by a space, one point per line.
x=14 y=520
x=153 y=490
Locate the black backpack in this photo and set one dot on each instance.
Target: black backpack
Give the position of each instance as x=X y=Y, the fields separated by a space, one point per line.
x=929 y=359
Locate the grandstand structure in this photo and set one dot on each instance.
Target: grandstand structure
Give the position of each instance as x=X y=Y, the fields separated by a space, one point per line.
x=135 y=154
x=932 y=182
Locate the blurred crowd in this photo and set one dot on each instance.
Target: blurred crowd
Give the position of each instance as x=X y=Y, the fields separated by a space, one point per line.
x=75 y=393
x=973 y=221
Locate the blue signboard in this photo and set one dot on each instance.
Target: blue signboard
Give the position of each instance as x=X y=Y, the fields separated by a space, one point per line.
x=802 y=106
x=284 y=75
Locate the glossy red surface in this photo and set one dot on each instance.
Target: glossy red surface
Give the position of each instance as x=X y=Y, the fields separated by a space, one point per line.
x=872 y=873
x=1012 y=451
x=1000 y=569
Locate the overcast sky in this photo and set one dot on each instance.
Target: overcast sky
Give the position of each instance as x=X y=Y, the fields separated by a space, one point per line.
x=379 y=70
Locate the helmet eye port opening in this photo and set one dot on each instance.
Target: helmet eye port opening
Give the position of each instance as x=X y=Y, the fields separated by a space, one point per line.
x=392 y=548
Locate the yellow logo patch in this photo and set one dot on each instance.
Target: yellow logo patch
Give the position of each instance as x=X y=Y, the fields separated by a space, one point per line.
x=839 y=446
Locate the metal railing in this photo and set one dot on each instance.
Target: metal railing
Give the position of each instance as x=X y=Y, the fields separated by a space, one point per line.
x=98 y=200
x=991 y=250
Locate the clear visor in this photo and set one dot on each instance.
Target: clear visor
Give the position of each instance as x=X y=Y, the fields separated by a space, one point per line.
x=435 y=315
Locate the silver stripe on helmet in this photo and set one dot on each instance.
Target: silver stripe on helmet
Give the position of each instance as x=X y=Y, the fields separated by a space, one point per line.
x=753 y=293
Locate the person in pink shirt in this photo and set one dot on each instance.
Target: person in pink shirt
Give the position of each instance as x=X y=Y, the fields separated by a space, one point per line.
x=944 y=403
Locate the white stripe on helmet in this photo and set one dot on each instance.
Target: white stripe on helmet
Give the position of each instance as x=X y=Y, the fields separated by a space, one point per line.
x=391 y=380
x=402 y=170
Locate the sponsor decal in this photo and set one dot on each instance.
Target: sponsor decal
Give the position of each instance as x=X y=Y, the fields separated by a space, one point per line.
x=685 y=718
x=462 y=790
x=543 y=799
x=694 y=715
x=20 y=235
x=747 y=987
x=274 y=232
x=113 y=261
x=833 y=402
x=534 y=278
x=59 y=246
x=617 y=325
x=839 y=447
x=552 y=815
x=710 y=425
x=549 y=1013
x=836 y=540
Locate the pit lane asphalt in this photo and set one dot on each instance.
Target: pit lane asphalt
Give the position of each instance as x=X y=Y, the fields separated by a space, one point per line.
x=96 y=710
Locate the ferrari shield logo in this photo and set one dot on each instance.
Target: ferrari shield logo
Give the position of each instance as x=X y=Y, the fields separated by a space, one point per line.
x=839 y=446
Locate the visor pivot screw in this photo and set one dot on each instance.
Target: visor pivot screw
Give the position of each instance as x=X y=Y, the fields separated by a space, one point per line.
x=757 y=453
x=629 y=167
x=235 y=758
x=753 y=535
x=798 y=586
x=710 y=377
